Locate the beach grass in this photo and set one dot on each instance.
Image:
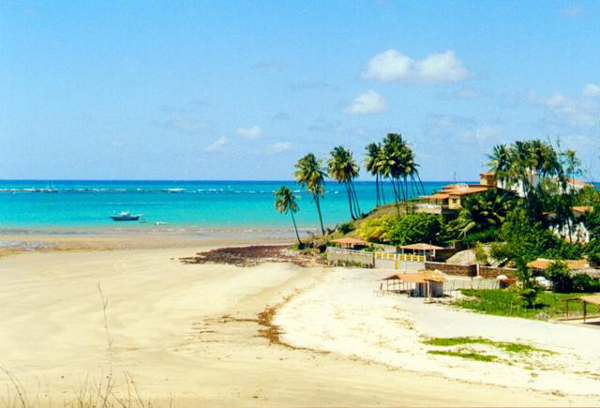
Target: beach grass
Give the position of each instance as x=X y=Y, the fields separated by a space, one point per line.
x=466 y=354
x=506 y=346
x=506 y=303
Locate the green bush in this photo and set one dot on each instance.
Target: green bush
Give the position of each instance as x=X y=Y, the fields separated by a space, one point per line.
x=529 y=240
x=585 y=283
x=346 y=228
x=376 y=229
x=480 y=254
x=592 y=249
x=415 y=228
x=560 y=275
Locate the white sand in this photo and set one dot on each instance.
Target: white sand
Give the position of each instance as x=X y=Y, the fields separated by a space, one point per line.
x=166 y=324
x=345 y=315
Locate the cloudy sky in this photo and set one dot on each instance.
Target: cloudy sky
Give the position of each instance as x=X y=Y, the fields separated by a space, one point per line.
x=241 y=90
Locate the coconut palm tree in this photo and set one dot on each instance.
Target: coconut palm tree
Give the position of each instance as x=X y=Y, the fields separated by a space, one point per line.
x=285 y=201
x=311 y=175
x=481 y=212
x=500 y=162
x=344 y=169
x=372 y=166
x=392 y=164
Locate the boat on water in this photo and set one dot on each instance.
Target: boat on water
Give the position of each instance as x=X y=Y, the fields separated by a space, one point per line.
x=126 y=216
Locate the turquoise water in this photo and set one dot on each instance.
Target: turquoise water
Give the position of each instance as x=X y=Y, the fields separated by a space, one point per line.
x=204 y=204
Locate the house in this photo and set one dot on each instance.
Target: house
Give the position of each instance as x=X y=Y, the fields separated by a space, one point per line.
x=489 y=179
x=577 y=230
x=421 y=284
x=351 y=243
x=450 y=198
x=542 y=264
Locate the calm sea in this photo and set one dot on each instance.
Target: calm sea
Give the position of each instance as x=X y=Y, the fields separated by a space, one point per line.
x=26 y=205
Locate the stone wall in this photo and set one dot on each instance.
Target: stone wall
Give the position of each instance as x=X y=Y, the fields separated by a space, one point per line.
x=452 y=269
x=469 y=270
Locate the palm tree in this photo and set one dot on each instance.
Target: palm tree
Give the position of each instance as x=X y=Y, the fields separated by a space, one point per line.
x=310 y=174
x=500 y=162
x=285 y=202
x=372 y=166
x=392 y=164
x=344 y=169
x=481 y=212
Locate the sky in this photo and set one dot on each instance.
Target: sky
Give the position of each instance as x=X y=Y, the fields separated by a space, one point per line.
x=239 y=90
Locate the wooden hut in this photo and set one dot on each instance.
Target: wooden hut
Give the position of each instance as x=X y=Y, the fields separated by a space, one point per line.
x=420 y=284
x=351 y=243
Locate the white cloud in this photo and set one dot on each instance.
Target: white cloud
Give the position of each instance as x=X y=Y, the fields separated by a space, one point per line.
x=280 y=147
x=591 y=90
x=583 y=110
x=368 y=103
x=216 y=145
x=392 y=65
x=253 y=132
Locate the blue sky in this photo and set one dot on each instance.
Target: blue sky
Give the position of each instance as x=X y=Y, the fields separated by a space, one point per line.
x=242 y=89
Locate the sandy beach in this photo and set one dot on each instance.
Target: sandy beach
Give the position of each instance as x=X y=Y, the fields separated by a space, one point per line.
x=192 y=335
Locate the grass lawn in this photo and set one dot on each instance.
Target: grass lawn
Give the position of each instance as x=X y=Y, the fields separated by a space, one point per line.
x=507 y=303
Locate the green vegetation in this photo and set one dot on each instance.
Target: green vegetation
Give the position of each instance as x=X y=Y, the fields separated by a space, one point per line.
x=414 y=228
x=376 y=229
x=311 y=175
x=466 y=354
x=346 y=227
x=344 y=169
x=285 y=202
x=529 y=215
x=507 y=303
x=483 y=212
x=506 y=346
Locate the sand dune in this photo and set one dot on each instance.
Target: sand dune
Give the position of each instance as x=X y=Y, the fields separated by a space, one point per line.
x=189 y=335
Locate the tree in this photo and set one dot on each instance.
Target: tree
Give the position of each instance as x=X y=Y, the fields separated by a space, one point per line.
x=372 y=165
x=481 y=212
x=416 y=228
x=344 y=169
x=529 y=288
x=560 y=275
x=310 y=174
x=376 y=229
x=500 y=162
x=285 y=202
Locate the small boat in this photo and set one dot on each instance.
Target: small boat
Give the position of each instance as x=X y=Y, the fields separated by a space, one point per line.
x=126 y=216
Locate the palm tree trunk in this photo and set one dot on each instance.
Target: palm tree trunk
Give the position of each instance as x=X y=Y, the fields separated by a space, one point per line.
x=296 y=228
x=377 y=190
x=396 y=195
x=318 y=204
x=382 y=187
x=401 y=190
x=357 y=205
x=421 y=183
x=350 y=204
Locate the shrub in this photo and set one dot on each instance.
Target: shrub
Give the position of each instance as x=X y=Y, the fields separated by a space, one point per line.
x=585 y=283
x=560 y=275
x=414 y=228
x=529 y=240
x=480 y=254
x=376 y=229
x=346 y=228
x=592 y=249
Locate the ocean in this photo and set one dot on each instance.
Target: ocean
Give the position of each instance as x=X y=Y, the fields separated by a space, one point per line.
x=27 y=205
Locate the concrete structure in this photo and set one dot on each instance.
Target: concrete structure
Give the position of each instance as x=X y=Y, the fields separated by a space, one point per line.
x=449 y=199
